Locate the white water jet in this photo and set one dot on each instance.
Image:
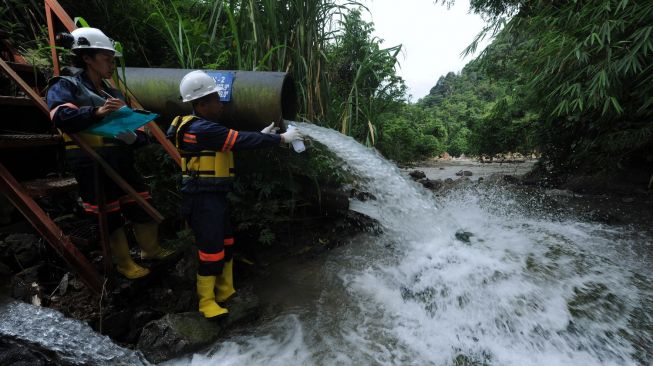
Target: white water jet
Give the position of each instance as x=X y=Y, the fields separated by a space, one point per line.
x=71 y=340
x=475 y=279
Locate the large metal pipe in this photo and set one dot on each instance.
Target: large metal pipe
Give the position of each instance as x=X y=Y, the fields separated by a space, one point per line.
x=257 y=97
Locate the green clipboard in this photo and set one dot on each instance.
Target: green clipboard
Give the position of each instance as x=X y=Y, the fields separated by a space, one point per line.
x=123 y=119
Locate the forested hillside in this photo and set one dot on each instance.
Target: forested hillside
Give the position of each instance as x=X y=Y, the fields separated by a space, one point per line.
x=577 y=77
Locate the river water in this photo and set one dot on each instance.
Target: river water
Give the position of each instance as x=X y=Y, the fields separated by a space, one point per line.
x=480 y=277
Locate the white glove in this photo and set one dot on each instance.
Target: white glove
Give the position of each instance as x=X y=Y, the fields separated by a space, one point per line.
x=127 y=136
x=270 y=129
x=292 y=134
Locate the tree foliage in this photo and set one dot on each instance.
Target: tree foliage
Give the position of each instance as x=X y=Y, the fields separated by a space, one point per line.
x=587 y=69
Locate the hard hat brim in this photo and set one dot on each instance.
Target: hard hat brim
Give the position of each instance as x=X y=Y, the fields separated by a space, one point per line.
x=214 y=90
x=115 y=53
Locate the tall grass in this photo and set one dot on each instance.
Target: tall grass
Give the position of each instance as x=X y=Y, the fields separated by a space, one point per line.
x=264 y=35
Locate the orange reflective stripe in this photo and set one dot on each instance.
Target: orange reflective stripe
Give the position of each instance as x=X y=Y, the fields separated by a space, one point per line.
x=109 y=207
x=190 y=138
x=230 y=141
x=211 y=257
x=229 y=241
x=54 y=111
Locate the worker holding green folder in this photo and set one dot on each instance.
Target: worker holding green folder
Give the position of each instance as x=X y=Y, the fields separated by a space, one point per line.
x=86 y=105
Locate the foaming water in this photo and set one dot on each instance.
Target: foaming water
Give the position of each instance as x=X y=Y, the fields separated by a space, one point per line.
x=72 y=341
x=477 y=278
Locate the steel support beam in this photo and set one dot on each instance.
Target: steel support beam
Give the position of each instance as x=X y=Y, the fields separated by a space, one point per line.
x=60 y=242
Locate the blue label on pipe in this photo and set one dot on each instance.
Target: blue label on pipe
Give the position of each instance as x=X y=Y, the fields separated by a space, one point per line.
x=225 y=81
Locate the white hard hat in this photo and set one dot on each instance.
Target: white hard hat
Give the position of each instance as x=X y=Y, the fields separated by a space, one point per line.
x=196 y=84
x=92 y=38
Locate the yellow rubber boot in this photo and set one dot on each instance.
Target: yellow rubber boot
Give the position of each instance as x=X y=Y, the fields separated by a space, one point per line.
x=206 y=294
x=224 y=284
x=147 y=236
x=125 y=265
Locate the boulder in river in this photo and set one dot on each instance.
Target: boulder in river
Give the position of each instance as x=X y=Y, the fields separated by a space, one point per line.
x=433 y=185
x=417 y=174
x=178 y=334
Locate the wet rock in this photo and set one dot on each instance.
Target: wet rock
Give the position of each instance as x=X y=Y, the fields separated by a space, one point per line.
x=361 y=196
x=417 y=174
x=137 y=322
x=448 y=181
x=21 y=284
x=441 y=168
x=362 y=222
x=18 y=353
x=20 y=250
x=464 y=236
x=433 y=185
x=177 y=334
x=464 y=173
x=126 y=325
x=480 y=179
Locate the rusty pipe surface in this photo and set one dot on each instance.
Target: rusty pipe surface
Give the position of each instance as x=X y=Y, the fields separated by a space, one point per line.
x=258 y=97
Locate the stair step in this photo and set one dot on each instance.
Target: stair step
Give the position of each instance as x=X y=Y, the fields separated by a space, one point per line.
x=48 y=186
x=16 y=101
x=21 y=67
x=8 y=141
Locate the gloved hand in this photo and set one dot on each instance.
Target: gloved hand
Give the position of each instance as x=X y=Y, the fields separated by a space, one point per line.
x=270 y=129
x=127 y=136
x=292 y=134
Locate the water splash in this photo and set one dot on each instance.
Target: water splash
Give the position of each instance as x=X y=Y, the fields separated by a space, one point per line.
x=478 y=278
x=71 y=340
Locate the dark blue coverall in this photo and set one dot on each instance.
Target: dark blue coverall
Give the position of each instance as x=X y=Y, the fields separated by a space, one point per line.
x=205 y=206
x=74 y=114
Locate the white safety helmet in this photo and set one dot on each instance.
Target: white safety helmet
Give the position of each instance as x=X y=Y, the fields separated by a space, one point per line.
x=196 y=84
x=92 y=38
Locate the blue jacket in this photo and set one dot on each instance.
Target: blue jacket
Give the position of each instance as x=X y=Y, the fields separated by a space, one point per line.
x=212 y=136
x=200 y=136
x=63 y=91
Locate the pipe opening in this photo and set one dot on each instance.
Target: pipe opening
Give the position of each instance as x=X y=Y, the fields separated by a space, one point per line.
x=288 y=99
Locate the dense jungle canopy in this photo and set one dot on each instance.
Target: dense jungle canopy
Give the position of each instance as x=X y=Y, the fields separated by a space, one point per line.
x=568 y=79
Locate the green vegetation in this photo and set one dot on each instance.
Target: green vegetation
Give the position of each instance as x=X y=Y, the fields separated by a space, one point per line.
x=570 y=79
x=585 y=68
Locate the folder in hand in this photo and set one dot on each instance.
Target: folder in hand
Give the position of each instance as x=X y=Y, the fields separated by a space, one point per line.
x=123 y=119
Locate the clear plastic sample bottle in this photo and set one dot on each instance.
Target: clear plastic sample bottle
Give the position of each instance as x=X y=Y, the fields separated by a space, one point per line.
x=297 y=145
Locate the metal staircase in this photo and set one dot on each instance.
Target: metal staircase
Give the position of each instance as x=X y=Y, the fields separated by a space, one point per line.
x=26 y=131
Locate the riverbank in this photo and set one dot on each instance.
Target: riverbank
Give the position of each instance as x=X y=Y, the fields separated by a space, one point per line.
x=158 y=315
x=613 y=202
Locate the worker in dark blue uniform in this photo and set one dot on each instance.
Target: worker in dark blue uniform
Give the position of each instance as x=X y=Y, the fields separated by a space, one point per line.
x=80 y=101
x=207 y=175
